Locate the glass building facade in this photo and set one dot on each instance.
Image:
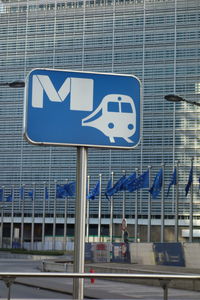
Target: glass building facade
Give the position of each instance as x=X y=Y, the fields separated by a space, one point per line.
x=156 y=40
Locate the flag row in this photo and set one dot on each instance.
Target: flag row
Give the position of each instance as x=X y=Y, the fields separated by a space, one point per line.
x=129 y=183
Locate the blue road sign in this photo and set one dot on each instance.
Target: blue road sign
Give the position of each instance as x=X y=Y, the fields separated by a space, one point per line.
x=82 y=109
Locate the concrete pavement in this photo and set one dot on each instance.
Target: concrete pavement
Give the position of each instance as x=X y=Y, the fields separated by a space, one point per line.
x=131 y=289
x=105 y=289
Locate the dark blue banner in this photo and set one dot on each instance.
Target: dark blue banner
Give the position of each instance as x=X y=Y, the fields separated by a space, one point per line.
x=169 y=254
x=88 y=252
x=16 y=245
x=120 y=252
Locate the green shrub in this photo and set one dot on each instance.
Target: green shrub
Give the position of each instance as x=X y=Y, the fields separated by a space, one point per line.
x=36 y=252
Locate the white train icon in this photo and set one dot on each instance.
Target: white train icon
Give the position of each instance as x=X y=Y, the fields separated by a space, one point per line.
x=115 y=117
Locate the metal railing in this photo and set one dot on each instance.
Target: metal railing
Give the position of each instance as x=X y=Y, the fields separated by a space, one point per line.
x=10 y=277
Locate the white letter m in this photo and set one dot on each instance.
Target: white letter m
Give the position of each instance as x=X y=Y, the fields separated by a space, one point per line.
x=43 y=83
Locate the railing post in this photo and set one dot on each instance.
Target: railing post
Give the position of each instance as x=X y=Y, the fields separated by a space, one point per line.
x=8 y=282
x=164 y=284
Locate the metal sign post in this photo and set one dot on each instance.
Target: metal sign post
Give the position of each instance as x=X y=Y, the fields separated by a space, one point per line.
x=79 y=242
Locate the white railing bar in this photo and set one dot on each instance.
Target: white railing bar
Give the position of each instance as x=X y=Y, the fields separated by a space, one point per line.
x=100 y=275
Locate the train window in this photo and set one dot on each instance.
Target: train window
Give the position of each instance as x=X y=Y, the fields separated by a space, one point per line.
x=126 y=107
x=113 y=106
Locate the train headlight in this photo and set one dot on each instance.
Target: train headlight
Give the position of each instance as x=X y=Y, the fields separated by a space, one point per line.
x=130 y=126
x=111 y=125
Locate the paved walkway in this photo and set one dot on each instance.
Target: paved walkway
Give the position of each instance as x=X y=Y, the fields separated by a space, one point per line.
x=104 y=289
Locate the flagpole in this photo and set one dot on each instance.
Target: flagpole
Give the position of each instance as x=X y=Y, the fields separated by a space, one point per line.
x=88 y=209
x=22 y=217
x=33 y=218
x=177 y=202
x=111 y=210
x=124 y=200
x=123 y=206
x=149 y=210
x=2 y=217
x=12 y=219
x=136 y=211
x=65 y=222
x=162 y=207
x=43 y=216
x=191 y=207
x=99 y=212
x=65 y=227
x=54 y=219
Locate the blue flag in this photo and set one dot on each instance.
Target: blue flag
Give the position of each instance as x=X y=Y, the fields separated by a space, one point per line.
x=129 y=180
x=1 y=195
x=190 y=180
x=141 y=182
x=173 y=181
x=157 y=184
x=118 y=186
x=9 y=198
x=109 y=186
x=70 y=189
x=94 y=192
x=60 y=191
x=46 y=193
x=31 y=194
x=21 y=191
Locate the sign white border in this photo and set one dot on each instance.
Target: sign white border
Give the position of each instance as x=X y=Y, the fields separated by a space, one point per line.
x=79 y=145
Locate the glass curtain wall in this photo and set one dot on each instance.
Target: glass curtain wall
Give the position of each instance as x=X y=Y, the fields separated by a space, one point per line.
x=156 y=40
